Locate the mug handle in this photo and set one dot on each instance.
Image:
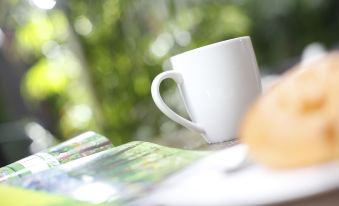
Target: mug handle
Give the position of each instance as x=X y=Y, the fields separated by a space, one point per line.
x=177 y=77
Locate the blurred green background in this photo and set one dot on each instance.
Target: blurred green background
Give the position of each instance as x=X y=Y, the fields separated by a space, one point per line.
x=69 y=66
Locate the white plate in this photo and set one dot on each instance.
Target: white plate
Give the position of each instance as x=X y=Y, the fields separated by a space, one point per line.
x=208 y=183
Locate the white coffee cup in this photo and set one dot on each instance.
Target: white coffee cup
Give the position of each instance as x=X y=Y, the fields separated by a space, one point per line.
x=217 y=83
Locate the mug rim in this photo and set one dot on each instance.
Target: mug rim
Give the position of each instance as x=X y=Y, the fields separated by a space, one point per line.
x=211 y=46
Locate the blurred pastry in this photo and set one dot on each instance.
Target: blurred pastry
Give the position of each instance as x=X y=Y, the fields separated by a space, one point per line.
x=296 y=122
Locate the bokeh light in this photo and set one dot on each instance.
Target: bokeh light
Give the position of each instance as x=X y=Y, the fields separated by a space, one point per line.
x=85 y=65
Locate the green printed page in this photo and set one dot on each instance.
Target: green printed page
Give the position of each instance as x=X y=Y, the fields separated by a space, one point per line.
x=118 y=175
x=21 y=197
x=80 y=146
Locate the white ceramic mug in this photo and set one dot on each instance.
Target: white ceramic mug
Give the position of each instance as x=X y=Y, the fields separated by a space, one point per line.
x=217 y=83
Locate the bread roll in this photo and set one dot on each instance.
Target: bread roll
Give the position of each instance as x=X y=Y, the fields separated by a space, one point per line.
x=296 y=123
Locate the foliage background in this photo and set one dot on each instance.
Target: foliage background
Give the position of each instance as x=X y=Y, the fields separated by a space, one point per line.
x=73 y=66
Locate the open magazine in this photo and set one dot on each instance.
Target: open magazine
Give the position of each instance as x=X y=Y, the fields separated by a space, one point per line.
x=89 y=168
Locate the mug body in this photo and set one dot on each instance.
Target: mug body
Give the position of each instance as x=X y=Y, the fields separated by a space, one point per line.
x=219 y=82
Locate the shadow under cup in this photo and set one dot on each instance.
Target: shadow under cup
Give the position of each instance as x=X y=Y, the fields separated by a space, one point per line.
x=217 y=83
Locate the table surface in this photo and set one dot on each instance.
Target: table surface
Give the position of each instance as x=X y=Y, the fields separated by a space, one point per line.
x=184 y=139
